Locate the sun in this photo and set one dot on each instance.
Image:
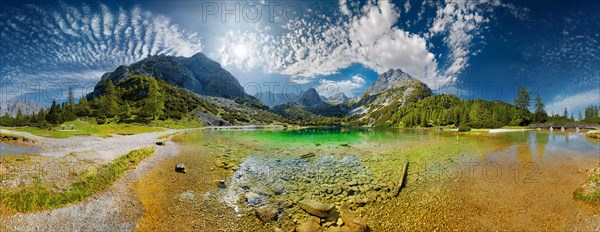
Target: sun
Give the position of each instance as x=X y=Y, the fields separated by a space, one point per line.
x=241 y=50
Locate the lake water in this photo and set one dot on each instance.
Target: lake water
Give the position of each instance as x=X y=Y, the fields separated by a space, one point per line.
x=10 y=149
x=515 y=181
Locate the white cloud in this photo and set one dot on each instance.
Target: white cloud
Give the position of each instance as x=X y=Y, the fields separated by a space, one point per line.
x=344 y=7
x=348 y=87
x=66 y=38
x=574 y=103
x=460 y=23
x=312 y=49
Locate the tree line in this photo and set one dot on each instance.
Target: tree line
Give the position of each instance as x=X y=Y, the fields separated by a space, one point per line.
x=443 y=110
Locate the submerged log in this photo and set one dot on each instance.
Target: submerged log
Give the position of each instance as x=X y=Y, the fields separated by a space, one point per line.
x=403 y=175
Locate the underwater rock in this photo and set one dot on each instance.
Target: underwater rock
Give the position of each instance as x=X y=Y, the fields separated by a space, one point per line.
x=353 y=222
x=187 y=196
x=310 y=225
x=339 y=229
x=266 y=213
x=220 y=183
x=253 y=198
x=315 y=208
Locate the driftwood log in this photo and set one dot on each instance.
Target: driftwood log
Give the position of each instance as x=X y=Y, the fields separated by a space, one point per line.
x=402 y=179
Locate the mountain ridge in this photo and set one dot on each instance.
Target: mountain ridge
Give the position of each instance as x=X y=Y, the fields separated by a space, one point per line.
x=198 y=74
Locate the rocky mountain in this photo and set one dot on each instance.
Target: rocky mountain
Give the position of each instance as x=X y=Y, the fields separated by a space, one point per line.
x=311 y=98
x=11 y=107
x=338 y=98
x=392 y=90
x=273 y=99
x=198 y=74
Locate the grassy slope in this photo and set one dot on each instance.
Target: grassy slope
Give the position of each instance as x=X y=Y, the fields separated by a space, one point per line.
x=37 y=197
x=89 y=128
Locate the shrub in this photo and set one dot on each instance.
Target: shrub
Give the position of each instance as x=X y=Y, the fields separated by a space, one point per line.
x=464 y=128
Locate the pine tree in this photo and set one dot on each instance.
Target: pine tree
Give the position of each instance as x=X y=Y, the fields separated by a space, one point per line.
x=83 y=108
x=566 y=113
x=109 y=101
x=154 y=103
x=540 y=114
x=71 y=100
x=54 y=114
x=522 y=100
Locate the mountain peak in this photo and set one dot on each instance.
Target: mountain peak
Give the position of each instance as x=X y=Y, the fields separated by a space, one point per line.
x=198 y=74
x=311 y=98
x=338 y=98
x=391 y=79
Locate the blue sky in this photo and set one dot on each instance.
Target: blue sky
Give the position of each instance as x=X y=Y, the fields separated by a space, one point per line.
x=468 y=48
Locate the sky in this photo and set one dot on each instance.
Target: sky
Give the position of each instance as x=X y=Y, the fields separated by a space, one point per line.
x=473 y=49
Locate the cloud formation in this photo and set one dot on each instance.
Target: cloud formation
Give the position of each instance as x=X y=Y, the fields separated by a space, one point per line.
x=574 y=103
x=348 y=87
x=66 y=40
x=369 y=35
x=308 y=49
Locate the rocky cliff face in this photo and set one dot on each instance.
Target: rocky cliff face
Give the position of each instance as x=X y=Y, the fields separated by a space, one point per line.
x=273 y=99
x=198 y=74
x=393 y=88
x=11 y=107
x=338 y=98
x=311 y=98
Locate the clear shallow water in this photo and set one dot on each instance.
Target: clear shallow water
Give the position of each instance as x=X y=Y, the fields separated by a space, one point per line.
x=360 y=167
x=10 y=149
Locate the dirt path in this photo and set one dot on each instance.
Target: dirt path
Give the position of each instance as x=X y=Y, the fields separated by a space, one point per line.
x=93 y=147
x=117 y=208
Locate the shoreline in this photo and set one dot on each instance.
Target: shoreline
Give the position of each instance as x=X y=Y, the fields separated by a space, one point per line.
x=114 y=209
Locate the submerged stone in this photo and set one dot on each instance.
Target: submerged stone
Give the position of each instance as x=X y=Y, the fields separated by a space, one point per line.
x=355 y=223
x=310 y=225
x=266 y=213
x=315 y=208
x=253 y=198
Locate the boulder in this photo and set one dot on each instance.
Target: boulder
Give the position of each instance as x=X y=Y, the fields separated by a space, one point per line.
x=351 y=220
x=315 y=208
x=266 y=213
x=310 y=225
x=253 y=198
x=180 y=168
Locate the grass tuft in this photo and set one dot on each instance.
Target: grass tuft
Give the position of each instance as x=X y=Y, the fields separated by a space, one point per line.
x=590 y=191
x=38 y=197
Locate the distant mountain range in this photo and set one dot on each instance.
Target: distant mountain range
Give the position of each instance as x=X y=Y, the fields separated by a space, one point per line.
x=272 y=99
x=12 y=107
x=338 y=98
x=223 y=101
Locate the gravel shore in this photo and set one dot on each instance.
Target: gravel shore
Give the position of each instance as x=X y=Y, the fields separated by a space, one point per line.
x=93 y=147
x=117 y=208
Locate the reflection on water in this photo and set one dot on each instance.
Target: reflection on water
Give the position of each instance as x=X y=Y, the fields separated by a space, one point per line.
x=9 y=149
x=548 y=144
